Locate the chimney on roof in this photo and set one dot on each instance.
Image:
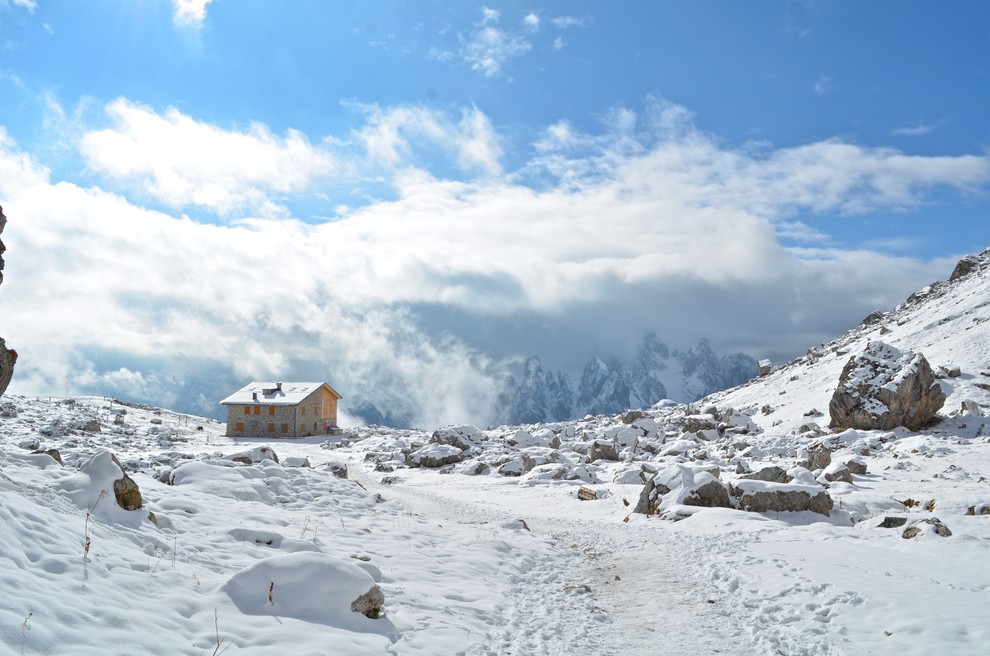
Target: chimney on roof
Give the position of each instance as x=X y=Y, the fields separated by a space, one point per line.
x=254 y=396
x=278 y=386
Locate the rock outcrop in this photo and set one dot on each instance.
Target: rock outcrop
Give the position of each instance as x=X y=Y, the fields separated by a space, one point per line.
x=764 y=496
x=7 y=356
x=883 y=388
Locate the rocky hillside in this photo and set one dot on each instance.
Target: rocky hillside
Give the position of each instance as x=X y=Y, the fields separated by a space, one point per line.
x=656 y=373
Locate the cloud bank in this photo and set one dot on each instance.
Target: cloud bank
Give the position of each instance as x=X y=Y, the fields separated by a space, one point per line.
x=419 y=303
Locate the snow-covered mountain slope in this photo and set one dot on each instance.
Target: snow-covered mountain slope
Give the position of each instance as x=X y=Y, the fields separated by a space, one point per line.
x=947 y=322
x=518 y=539
x=655 y=373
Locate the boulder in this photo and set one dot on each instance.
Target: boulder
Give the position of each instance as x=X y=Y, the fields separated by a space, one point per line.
x=338 y=469
x=370 y=603
x=761 y=496
x=7 y=356
x=892 y=522
x=929 y=525
x=765 y=367
x=586 y=494
x=770 y=474
x=435 y=455
x=463 y=437
x=837 y=472
x=602 y=450
x=964 y=267
x=254 y=456
x=856 y=466
x=883 y=388
x=690 y=486
x=125 y=490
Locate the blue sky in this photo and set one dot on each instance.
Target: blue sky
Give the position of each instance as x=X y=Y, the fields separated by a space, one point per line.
x=382 y=193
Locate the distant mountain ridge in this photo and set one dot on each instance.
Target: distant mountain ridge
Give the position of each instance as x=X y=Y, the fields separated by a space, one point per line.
x=655 y=373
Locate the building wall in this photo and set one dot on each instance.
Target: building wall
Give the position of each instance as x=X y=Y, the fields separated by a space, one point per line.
x=261 y=420
x=314 y=415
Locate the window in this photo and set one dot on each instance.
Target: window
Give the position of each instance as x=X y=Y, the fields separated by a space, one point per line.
x=303 y=410
x=239 y=427
x=285 y=428
x=257 y=409
x=247 y=409
x=271 y=427
x=271 y=410
x=314 y=426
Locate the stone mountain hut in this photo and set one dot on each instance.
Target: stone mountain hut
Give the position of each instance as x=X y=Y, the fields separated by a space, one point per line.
x=282 y=410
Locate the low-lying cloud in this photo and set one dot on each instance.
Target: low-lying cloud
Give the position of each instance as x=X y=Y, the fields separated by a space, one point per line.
x=420 y=302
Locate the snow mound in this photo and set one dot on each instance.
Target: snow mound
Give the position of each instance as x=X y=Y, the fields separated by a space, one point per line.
x=313 y=587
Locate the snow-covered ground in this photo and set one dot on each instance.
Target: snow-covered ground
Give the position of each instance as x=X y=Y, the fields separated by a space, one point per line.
x=496 y=552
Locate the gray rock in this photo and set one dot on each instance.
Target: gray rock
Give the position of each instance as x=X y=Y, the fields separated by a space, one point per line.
x=602 y=450
x=892 y=522
x=918 y=527
x=435 y=455
x=770 y=474
x=586 y=494
x=710 y=495
x=964 y=267
x=650 y=497
x=338 y=469
x=8 y=357
x=370 y=603
x=254 y=456
x=54 y=453
x=883 y=388
x=463 y=437
x=819 y=456
x=766 y=497
x=837 y=472
x=857 y=467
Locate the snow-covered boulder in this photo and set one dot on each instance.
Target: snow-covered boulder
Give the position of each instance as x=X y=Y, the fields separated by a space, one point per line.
x=927 y=526
x=882 y=388
x=309 y=586
x=771 y=474
x=435 y=455
x=682 y=485
x=463 y=437
x=254 y=456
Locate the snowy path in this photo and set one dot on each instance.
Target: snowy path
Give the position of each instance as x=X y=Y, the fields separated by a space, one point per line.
x=596 y=591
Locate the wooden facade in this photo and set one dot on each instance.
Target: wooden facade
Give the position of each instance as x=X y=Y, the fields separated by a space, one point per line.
x=282 y=410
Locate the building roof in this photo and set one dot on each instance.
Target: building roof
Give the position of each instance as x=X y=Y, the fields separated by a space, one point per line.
x=275 y=393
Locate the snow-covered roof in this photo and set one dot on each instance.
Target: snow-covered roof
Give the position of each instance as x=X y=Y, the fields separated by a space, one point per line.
x=275 y=393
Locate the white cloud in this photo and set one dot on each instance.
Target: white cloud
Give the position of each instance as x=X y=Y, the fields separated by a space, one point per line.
x=489 y=15
x=823 y=85
x=558 y=43
x=531 y=22
x=183 y=162
x=30 y=5
x=916 y=129
x=392 y=136
x=649 y=224
x=566 y=22
x=189 y=13
x=489 y=48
